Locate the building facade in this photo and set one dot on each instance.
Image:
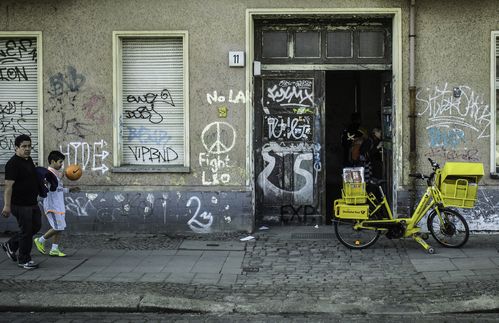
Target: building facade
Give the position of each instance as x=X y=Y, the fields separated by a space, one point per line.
x=213 y=116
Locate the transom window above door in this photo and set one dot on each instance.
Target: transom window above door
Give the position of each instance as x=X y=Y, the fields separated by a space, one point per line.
x=332 y=42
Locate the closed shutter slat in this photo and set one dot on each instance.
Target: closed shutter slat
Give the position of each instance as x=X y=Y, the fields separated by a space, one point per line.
x=17 y=118
x=153 y=128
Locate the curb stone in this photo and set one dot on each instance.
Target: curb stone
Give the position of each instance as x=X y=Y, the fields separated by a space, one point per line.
x=114 y=302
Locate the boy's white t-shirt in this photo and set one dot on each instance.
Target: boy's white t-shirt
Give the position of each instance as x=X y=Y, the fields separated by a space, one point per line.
x=54 y=202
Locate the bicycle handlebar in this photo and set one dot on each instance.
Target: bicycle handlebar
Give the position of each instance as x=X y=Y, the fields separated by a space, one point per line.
x=430 y=177
x=434 y=164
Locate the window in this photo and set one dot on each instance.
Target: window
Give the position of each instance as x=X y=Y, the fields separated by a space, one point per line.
x=307 y=44
x=20 y=92
x=339 y=44
x=151 y=102
x=275 y=44
x=495 y=100
x=371 y=44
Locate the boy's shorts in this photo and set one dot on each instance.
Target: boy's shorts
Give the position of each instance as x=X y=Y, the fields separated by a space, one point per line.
x=57 y=221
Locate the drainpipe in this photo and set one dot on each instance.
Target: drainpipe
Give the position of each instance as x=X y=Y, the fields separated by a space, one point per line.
x=412 y=100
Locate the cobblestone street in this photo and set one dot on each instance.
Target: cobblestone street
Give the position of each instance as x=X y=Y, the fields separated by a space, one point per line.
x=285 y=270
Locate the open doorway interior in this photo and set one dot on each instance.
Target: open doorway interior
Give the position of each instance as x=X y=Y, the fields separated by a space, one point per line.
x=353 y=93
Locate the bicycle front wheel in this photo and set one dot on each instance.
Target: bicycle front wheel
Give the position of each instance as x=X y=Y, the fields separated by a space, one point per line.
x=354 y=238
x=449 y=229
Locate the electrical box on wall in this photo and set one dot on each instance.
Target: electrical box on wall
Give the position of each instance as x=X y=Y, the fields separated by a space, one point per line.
x=236 y=59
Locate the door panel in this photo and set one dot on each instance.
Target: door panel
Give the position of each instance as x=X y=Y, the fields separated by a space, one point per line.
x=288 y=136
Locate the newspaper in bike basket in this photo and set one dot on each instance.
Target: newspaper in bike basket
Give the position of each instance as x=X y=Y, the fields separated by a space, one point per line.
x=354 y=187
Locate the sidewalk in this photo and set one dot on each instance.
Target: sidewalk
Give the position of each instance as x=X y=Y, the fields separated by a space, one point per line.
x=284 y=270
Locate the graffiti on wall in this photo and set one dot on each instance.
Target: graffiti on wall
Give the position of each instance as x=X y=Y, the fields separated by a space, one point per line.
x=146 y=106
x=271 y=180
x=218 y=139
x=222 y=101
x=288 y=127
x=91 y=156
x=290 y=151
x=73 y=109
x=149 y=144
x=200 y=212
x=293 y=93
x=214 y=97
x=12 y=58
x=18 y=115
x=14 y=118
x=484 y=216
x=455 y=118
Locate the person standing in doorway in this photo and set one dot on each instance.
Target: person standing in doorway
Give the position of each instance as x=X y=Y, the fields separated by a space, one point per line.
x=20 y=199
x=348 y=137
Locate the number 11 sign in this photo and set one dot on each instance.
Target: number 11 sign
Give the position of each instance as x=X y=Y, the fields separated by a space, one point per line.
x=236 y=59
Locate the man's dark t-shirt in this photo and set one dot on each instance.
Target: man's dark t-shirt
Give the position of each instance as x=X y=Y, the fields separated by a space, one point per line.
x=22 y=172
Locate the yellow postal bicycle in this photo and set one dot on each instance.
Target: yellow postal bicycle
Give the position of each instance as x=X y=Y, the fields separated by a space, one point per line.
x=361 y=218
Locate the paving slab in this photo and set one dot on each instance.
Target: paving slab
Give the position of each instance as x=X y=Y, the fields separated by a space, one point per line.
x=442 y=264
x=480 y=252
x=473 y=263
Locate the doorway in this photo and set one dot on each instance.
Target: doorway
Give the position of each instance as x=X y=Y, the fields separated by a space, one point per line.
x=310 y=74
x=366 y=96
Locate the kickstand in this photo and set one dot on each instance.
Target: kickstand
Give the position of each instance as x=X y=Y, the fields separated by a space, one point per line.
x=423 y=244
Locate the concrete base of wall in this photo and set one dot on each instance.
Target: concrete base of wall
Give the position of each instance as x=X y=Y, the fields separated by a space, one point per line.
x=483 y=217
x=169 y=212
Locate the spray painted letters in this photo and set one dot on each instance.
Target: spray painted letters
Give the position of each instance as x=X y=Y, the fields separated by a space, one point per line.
x=456 y=117
x=218 y=139
x=87 y=155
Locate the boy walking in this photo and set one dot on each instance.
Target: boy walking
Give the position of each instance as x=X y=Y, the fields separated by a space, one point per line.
x=54 y=207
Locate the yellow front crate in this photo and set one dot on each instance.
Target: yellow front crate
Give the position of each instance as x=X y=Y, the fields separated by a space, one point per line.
x=458 y=183
x=347 y=211
x=354 y=193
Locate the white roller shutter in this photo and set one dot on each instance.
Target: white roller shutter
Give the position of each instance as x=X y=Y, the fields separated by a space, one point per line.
x=18 y=94
x=152 y=98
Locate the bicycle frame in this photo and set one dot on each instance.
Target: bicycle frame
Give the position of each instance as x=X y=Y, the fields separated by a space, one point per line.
x=428 y=201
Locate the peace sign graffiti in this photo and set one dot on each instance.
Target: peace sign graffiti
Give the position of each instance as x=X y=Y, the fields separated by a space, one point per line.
x=218 y=137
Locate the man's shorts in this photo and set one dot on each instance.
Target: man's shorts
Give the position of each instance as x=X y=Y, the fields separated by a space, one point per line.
x=57 y=221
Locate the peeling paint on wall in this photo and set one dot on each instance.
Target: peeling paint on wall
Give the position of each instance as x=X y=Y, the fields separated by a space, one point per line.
x=180 y=211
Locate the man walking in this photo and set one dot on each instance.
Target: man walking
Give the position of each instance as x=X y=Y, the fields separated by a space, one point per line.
x=20 y=199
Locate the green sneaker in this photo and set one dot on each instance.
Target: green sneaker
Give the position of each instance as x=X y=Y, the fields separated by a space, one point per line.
x=57 y=253
x=39 y=246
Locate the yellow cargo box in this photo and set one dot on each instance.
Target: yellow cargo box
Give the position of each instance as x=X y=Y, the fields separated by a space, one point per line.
x=458 y=183
x=354 y=193
x=348 y=211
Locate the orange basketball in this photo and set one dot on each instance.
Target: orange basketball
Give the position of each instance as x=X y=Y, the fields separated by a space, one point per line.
x=73 y=172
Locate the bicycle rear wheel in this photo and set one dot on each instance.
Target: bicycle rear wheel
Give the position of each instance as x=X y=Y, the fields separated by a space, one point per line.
x=354 y=238
x=450 y=229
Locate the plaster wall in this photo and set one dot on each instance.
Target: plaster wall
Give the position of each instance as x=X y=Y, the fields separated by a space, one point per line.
x=452 y=51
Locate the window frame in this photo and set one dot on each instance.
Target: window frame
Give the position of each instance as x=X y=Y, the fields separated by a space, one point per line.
x=494 y=86
x=118 y=36
x=323 y=26
x=39 y=87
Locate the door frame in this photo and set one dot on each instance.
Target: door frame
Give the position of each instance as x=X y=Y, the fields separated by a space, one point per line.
x=395 y=13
